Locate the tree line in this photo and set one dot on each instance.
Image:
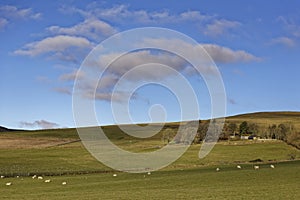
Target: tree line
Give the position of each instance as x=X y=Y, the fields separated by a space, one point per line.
x=283 y=131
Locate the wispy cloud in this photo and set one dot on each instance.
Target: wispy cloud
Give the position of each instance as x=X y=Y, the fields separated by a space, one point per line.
x=128 y=64
x=3 y=23
x=63 y=90
x=10 y=13
x=285 y=41
x=14 y=12
x=219 y=27
x=39 y=124
x=222 y=54
x=55 y=45
x=291 y=25
x=123 y=14
x=91 y=28
x=71 y=76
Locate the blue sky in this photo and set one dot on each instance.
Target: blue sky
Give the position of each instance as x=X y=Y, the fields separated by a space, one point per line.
x=255 y=44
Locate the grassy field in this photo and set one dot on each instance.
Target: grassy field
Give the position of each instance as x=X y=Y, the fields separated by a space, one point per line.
x=205 y=183
x=58 y=155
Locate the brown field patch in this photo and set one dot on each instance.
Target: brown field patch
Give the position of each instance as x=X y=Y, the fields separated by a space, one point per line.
x=12 y=142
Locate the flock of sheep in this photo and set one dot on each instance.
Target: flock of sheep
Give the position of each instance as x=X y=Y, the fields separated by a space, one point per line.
x=256 y=167
x=33 y=177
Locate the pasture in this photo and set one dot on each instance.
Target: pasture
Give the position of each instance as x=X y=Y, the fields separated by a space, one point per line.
x=198 y=183
x=71 y=172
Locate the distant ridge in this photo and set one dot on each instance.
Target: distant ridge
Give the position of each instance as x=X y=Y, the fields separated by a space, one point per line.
x=3 y=129
x=271 y=117
x=275 y=114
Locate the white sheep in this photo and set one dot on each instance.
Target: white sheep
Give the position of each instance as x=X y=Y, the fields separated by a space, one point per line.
x=272 y=166
x=64 y=183
x=239 y=167
x=40 y=178
x=256 y=167
x=2 y=176
x=149 y=173
x=34 y=176
x=47 y=181
x=115 y=175
x=218 y=169
x=8 y=184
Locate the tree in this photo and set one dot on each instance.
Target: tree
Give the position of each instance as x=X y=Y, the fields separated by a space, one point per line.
x=201 y=132
x=167 y=135
x=232 y=127
x=272 y=131
x=283 y=130
x=244 y=128
x=253 y=128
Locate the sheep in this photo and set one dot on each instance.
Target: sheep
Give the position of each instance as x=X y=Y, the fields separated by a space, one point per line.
x=40 y=178
x=149 y=173
x=239 y=167
x=8 y=184
x=115 y=175
x=47 y=181
x=64 y=183
x=272 y=166
x=2 y=176
x=256 y=167
x=34 y=176
x=218 y=169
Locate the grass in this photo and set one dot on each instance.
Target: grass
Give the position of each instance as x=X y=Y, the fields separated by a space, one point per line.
x=74 y=158
x=187 y=178
x=230 y=183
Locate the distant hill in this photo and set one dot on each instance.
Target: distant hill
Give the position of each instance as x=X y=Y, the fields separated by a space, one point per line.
x=3 y=129
x=268 y=118
x=267 y=115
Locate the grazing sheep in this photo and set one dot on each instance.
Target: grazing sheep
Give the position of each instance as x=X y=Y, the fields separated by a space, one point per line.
x=256 y=167
x=272 y=166
x=149 y=173
x=64 y=183
x=8 y=184
x=34 y=176
x=115 y=175
x=2 y=177
x=218 y=169
x=40 y=178
x=47 y=181
x=239 y=167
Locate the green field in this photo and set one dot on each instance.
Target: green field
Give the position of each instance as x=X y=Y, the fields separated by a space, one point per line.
x=204 y=183
x=59 y=156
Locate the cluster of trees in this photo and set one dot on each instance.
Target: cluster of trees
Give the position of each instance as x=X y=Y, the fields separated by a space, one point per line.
x=284 y=131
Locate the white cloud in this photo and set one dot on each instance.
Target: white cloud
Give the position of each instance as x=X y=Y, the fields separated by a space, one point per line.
x=63 y=90
x=226 y=55
x=124 y=64
x=72 y=76
x=283 y=41
x=55 y=44
x=133 y=59
x=3 y=23
x=10 y=12
x=219 y=27
x=292 y=26
x=122 y=14
x=218 y=53
x=91 y=28
x=39 y=124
